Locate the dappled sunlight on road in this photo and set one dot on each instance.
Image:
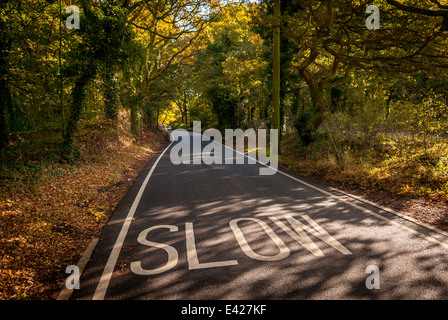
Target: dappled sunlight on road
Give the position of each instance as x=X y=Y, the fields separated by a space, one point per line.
x=239 y=235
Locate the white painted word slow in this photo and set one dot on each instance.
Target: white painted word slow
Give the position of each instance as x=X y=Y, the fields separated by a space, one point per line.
x=297 y=230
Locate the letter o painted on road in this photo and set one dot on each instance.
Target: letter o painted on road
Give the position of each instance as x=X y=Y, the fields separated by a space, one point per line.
x=284 y=250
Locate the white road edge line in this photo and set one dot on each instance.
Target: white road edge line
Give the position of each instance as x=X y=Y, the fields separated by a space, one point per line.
x=389 y=210
x=103 y=284
x=424 y=236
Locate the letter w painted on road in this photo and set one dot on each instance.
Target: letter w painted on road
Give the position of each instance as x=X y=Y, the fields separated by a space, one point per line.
x=301 y=237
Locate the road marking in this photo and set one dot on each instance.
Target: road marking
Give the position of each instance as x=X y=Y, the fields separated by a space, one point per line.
x=192 y=255
x=317 y=231
x=401 y=215
x=301 y=237
x=103 y=284
x=397 y=224
x=379 y=216
x=284 y=250
x=173 y=256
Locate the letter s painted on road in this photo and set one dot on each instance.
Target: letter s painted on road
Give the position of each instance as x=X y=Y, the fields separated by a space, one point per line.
x=173 y=256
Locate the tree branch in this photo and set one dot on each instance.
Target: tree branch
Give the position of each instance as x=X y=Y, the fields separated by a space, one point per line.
x=426 y=12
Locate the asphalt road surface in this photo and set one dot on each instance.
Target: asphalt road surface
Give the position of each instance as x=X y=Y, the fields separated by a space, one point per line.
x=223 y=231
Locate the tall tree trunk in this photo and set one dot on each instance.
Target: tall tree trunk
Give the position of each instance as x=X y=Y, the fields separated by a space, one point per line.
x=111 y=97
x=76 y=107
x=320 y=109
x=186 y=115
x=5 y=93
x=5 y=103
x=334 y=147
x=185 y=108
x=157 y=116
x=319 y=106
x=136 y=117
x=276 y=69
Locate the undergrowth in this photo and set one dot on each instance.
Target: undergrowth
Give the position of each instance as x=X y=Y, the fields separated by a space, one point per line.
x=51 y=208
x=394 y=163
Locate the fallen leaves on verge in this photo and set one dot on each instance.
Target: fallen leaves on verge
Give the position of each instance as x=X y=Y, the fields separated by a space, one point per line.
x=45 y=227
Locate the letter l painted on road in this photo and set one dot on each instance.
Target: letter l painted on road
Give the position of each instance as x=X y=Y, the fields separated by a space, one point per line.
x=192 y=255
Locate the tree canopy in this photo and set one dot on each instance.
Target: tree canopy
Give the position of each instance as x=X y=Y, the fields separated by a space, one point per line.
x=177 y=61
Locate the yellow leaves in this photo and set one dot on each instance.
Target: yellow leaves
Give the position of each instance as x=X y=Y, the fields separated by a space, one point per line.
x=96 y=213
x=7 y=208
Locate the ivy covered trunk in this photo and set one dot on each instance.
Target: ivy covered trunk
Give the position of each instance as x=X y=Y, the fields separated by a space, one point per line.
x=136 y=117
x=308 y=121
x=111 y=96
x=5 y=94
x=5 y=101
x=76 y=108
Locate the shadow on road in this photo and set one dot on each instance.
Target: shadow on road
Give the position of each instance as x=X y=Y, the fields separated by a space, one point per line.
x=210 y=197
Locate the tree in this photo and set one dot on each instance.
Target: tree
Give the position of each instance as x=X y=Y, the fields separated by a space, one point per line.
x=276 y=69
x=263 y=22
x=5 y=94
x=334 y=42
x=28 y=67
x=169 y=33
x=231 y=68
x=442 y=12
x=102 y=40
x=121 y=43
